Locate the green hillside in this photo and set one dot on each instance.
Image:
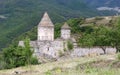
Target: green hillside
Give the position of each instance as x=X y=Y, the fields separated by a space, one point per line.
x=19 y=16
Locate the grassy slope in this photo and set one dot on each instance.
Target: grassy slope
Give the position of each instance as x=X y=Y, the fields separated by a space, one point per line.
x=22 y=15
x=68 y=67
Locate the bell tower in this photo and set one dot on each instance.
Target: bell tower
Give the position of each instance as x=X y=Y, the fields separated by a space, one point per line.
x=45 y=29
x=65 y=31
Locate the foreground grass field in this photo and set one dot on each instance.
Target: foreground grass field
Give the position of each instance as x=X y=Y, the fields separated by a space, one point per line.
x=99 y=65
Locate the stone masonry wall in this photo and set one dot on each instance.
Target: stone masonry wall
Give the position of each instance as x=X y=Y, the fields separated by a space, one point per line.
x=78 y=52
x=45 y=33
x=50 y=48
x=65 y=33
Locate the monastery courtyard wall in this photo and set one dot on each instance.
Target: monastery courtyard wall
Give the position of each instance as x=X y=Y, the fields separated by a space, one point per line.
x=78 y=52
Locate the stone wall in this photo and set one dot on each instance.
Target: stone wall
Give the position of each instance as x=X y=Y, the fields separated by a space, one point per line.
x=65 y=33
x=51 y=48
x=78 y=52
x=45 y=33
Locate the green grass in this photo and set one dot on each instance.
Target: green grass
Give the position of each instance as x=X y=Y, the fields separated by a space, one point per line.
x=67 y=67
x=88 y=72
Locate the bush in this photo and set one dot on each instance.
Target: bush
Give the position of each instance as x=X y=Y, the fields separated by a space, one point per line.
x=48 y=73
x=61 y=53
x=65 y=49
x=2 y=63
x=70 y=45
x=15 y=56
x=34 y=60
x=99 y=18
x=118 y=56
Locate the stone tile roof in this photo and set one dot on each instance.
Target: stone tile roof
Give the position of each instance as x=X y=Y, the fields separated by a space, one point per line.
x=65 y=26
x=46 y=21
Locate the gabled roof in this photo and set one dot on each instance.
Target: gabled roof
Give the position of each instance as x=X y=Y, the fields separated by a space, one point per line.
x=65 y=26
x=45 y=21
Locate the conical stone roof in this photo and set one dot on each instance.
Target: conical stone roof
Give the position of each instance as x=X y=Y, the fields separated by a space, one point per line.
x=46 y=21
x=65 y=26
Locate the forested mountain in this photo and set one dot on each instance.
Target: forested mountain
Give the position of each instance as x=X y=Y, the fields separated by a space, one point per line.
x=19 y=16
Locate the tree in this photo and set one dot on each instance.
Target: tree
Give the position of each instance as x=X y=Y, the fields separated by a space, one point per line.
x=12 y=55
x=102 y=38
x=98 y=37
x=15 y=56
x=75 y=24
x=115 y=36
x=57 y=30
x=28 y=52
x=87 y=40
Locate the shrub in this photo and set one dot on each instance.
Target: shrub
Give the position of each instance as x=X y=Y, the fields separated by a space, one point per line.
x=118 y=56
x=48 y=73
x=65 y=49
x=2 y=63
x=15 y=56
x=99 y=18
x=34 y=60
x=61 y=53
x=70 y=45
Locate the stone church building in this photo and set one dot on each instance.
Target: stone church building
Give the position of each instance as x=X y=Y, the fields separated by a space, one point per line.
x=47 y=46
x=45 y=43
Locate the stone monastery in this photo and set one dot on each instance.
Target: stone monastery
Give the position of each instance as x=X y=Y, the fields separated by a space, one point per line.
x=46 y=45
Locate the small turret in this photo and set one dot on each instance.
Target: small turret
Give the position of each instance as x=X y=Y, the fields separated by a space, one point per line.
x=65 y=31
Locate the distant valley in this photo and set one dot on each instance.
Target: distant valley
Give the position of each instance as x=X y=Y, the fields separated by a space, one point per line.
x=111 y=6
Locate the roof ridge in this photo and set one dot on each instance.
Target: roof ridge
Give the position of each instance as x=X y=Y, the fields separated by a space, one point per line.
x=45 y=21
x=65 y=26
